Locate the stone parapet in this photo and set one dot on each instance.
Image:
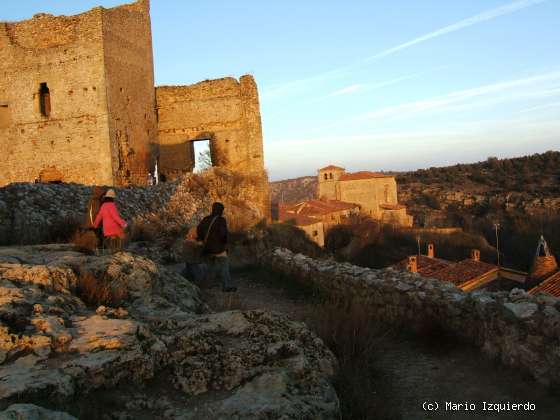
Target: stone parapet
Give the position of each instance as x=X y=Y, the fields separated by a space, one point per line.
x=29 y=212
x=520 y=330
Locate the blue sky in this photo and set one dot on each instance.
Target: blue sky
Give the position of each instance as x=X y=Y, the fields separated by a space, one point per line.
x=379 y=85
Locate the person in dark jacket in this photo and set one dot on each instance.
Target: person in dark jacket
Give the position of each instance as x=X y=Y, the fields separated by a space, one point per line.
x=213 y=233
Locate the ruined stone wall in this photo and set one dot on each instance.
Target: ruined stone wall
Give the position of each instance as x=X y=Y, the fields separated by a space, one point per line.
x=130 y=91
x=519 y=329
x=224 y=111
x=66 y=53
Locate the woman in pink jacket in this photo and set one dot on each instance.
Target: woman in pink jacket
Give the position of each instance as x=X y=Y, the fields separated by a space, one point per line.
x=113 y=224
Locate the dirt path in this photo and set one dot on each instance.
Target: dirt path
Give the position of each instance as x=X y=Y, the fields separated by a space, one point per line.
x=411 y=370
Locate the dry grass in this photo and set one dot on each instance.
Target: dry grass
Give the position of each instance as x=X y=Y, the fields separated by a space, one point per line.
x=63 y=229
x=85 y=239
x=144 y=230
x=352 y=334
x=96 y=292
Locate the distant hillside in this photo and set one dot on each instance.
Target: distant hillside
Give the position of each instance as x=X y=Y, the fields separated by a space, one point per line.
x=294 y=190
x=535 y=173
x=529 y=184
x=518 y=181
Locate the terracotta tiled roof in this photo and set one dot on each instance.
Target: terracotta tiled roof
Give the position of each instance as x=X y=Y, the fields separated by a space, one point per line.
x=464 y=271
x=426 y=266
x=332 y=168
x=392 y=206
x=551 y=286
x=543 y=267
x=363 y=175
x=316 y=208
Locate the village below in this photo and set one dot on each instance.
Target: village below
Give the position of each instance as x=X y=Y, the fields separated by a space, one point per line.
x=353 y=295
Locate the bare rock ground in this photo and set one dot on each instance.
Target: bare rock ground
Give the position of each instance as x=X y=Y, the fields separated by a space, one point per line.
x=408 y=369
x=160 y=354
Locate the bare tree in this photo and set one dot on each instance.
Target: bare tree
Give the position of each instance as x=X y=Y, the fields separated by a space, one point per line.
x=204 y=160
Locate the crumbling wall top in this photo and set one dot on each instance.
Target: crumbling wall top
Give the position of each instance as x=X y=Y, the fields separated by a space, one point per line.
x=45 y=30
x=215 y=88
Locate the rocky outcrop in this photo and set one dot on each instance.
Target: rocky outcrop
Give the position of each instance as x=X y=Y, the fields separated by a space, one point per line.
x=32 y=412
x=160 y=353
x=520 y=329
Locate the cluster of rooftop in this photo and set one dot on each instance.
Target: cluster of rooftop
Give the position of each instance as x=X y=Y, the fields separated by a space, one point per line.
x=472 y=273
x=341 y=196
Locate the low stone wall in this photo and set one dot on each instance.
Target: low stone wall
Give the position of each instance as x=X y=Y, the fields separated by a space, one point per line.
x=521 y=330
x=29 y=212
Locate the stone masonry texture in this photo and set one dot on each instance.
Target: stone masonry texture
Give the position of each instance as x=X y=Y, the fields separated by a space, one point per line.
x=519 y=329
x=102 y=128
x=98 y=69
x=225 y=112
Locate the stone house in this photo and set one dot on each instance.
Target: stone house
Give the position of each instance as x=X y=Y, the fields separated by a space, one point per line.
x=376 y=193
x=313 y=228
x=315 y=217
x=78 y=104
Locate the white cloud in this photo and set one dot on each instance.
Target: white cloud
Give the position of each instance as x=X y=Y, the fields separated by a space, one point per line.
x=295 y=85
x=344 y=91
x=448 y=100
x=465 y=23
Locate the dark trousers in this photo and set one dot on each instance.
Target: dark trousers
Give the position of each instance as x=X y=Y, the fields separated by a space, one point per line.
x=218 y=269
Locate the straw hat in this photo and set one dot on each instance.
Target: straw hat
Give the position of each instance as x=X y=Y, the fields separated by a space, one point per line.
x=110 y=193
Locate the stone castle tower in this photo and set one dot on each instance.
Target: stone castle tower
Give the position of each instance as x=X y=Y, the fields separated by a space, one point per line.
x=327 y=181
x=78 y=104
x=77 y=96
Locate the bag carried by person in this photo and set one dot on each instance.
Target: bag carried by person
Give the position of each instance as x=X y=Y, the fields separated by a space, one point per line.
x=193 y=251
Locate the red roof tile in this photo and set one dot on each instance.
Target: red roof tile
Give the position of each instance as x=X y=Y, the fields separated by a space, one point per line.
x=363 y=175
x=426 y=266
x=464 y=271
x=332 y=168
x=316 y=208
x=551 y=286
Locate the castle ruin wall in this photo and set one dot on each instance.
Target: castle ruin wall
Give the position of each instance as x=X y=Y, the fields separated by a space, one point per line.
x=65 y=54
x=131 y=101
x=226 y=113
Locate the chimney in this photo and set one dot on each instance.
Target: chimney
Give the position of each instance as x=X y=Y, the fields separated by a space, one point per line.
x=412 y=264
x=475 y=255
x=431 y=251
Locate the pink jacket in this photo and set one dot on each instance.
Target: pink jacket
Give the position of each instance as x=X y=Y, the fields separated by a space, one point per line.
x=113 y=224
